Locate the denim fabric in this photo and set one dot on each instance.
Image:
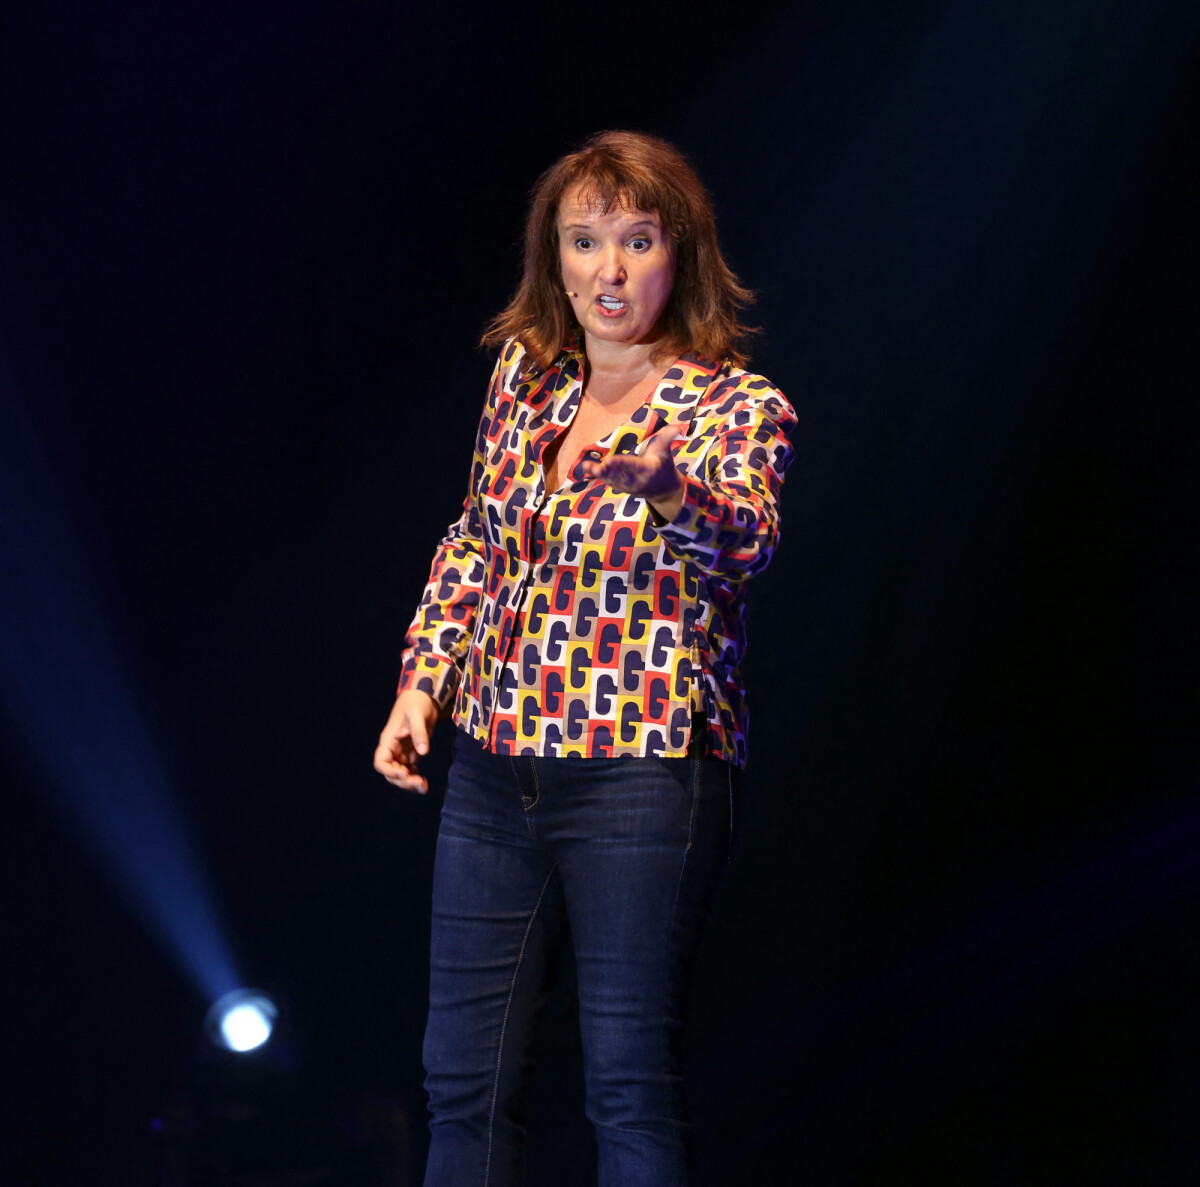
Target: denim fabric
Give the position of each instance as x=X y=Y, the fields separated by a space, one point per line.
x=625 y=850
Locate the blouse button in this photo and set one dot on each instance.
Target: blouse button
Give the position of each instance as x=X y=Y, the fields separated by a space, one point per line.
x=594 y=455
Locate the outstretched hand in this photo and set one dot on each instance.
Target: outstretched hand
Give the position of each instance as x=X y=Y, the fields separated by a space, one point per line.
x=650 y=473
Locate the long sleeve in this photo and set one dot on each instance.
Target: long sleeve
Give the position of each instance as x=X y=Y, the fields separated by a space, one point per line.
x=733 y=463
x=439 y=636
x=564 y=623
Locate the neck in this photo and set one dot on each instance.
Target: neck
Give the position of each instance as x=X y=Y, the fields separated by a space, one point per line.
x=613 y=368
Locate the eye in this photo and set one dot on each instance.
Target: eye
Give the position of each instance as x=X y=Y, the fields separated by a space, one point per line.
x=640 y=243
x=583 y=244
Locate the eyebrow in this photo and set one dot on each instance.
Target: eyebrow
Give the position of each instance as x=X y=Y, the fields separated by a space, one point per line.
x=645 y=222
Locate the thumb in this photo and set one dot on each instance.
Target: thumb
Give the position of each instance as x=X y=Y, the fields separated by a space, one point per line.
x=660 y=443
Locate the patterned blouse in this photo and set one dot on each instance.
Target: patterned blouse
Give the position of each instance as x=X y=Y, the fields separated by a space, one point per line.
x=570 y=622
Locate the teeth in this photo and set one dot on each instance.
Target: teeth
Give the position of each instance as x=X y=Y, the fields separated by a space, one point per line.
x=611 y=302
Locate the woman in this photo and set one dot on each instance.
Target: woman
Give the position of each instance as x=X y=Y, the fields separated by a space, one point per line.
x=583 y=623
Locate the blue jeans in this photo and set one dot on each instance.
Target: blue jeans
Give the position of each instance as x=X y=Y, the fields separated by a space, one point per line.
x=624 y=851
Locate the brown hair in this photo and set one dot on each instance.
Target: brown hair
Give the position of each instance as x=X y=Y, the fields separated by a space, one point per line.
x=643 y=173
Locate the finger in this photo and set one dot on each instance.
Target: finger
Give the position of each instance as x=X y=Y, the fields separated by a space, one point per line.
x=409 y=781
x=396 y=750
x=387 y=763
x=418 y=733
x=622 y=479
x=400 y=774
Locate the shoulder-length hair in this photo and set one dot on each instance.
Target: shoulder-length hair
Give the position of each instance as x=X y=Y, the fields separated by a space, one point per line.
x=639 y=172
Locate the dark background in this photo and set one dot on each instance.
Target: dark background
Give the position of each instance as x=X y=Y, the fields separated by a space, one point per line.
x=245 y=254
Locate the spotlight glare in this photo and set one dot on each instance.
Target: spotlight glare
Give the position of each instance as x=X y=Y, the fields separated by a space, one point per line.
x=242 y=1021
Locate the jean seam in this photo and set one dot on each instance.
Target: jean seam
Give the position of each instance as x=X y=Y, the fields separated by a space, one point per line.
x=695 y=799
x=537 y=787
x=729 y=781
x=487 y=1169
x=675 y=912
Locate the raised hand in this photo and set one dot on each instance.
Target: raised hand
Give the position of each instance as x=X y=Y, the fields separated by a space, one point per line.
x=650 y=473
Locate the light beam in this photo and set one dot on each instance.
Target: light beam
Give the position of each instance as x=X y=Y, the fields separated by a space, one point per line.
x=64 y=685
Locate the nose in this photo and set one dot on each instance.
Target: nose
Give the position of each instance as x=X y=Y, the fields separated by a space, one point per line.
x=612 y=269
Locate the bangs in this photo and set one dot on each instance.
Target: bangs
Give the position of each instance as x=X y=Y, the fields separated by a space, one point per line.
x=633 y=172
x=606 y=185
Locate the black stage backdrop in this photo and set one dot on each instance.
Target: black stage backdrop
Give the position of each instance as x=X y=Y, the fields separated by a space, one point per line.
x=246 y=253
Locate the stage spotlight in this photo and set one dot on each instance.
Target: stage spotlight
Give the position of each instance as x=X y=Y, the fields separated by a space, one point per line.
x=241 y=1021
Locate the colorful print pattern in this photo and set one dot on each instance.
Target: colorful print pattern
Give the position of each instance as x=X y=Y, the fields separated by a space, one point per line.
x=568 y=622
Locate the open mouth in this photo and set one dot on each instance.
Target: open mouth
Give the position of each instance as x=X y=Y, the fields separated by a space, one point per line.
x=610 y=304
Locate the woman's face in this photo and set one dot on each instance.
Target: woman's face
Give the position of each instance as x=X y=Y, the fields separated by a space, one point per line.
x=621 y=265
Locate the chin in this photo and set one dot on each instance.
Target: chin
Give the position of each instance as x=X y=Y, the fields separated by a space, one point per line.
x=619 y=333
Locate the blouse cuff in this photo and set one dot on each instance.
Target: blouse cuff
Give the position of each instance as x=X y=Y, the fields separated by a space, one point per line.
x=694 y=524
x=435 y=675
